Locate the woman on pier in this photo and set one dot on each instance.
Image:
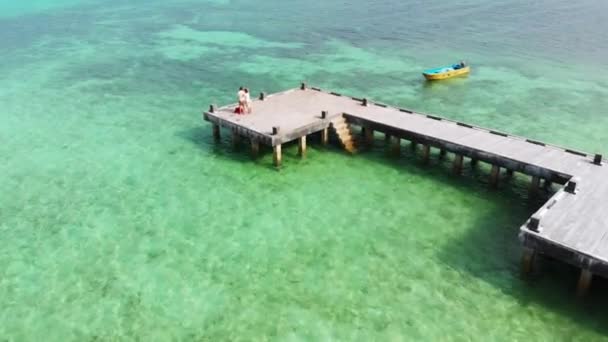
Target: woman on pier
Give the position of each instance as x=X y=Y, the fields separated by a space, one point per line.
x=241 y=98
x=247 y=101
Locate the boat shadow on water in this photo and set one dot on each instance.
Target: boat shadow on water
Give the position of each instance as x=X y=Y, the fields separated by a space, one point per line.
x=445 y=84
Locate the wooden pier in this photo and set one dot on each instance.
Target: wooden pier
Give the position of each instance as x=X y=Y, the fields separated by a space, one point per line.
x=572 y=226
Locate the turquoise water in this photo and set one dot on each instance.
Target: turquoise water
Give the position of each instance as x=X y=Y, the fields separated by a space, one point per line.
x=122 y=220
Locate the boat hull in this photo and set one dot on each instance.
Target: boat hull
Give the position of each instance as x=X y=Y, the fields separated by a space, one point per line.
x=447 y=74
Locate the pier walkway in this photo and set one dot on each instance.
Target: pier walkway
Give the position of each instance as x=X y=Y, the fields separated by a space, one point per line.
x=572 y=226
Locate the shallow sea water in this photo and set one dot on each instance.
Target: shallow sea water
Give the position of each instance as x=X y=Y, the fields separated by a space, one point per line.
x=121 y=219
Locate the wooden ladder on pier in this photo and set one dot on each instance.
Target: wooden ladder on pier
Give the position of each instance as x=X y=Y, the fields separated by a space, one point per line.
x=342 y=130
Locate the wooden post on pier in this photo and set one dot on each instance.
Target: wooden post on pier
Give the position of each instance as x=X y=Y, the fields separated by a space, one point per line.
x=527 y=261
x=584 y=282
x=597 y=159
x=302 y=146
x=387 y=138
x=474 y=163
x=494 y=176
x=426 y=153
x=442 y=153
x=510 y=172
x=414 y=144
x=395 y=146
x=457 y=168
x=255 y=148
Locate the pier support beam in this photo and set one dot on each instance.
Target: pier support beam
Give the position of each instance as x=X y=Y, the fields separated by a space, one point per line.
x=426 y=153
x=457 y=167
x=474 y=163
x=368 y=135
x=395 y=146
x=442 y=153
x=255 y=148
x=527 y=261
x=414 y=145
x=302 y=146
x=324 y=136
x=216 y=132
x=534 y=185
x=510 y=172
x=235 y=138
x=584 y=282
x=494 y=176
x=277 y=156
x=387 y=138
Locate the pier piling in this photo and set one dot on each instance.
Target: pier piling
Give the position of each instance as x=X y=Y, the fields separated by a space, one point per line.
x=324 y=136
x=442 y=153
x=534 y=186
x=457 y=166
x=255 y=148
x=302 y=146
x=584 y=282
x=426 y=153
x=235 y=138
x=277 y=155
x=216 y=132
x=395 y=146
x=527 y=261
x=368 y=135
x=494 y=176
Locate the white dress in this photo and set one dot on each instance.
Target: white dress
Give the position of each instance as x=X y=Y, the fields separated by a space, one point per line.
x=247 y=99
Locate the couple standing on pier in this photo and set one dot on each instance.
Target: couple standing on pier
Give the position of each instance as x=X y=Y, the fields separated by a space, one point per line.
x=244 y=98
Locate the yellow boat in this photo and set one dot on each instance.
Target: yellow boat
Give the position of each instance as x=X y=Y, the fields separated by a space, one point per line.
x=458 y=69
